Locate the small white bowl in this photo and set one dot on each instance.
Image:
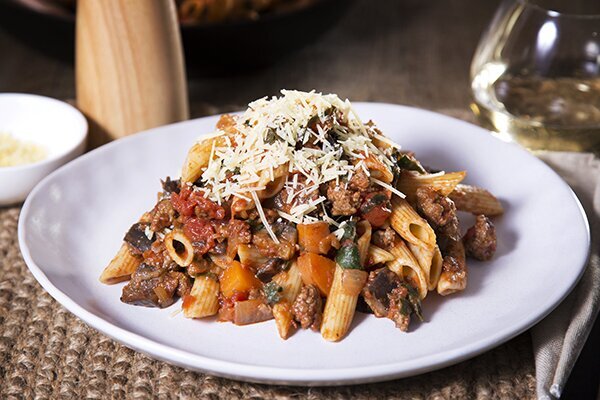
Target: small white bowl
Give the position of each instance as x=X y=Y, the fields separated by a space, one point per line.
x=55 y=125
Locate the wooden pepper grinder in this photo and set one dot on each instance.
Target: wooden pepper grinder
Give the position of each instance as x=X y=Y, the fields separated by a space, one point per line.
x=130 y=72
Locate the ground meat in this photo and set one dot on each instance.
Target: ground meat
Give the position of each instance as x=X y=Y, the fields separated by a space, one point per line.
x=270 y=214
x=236 y=230
x=448 y=232
x=399 y=310
x=439 y=211
x=360 y=181
x=199 y=266
x=384 y=238
x=155 y=287
x=308 y=308
x=480 y=240
x=162 y=215
x=347 y=200
x=454 y=269
x=298 y=194
x=158 y=257
x=287 y=236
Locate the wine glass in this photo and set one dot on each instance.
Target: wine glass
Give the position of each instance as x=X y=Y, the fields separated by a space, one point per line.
x=535 y=76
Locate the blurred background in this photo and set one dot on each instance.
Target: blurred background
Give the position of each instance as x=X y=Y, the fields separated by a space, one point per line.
x=408 y=52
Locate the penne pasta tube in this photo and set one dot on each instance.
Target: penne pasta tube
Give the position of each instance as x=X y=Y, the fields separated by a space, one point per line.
x=377 y=255
x=203 y=299
x=430 y=261
x=436 y=268
x=290 y=281
x=407 y=266
x=476 y=200
x=121 y=266
x=409 y=225
x=284 y=319
x=198 y=158
x=364 y=240
x=341 y=302
x=179 y=247
x=378 y=169
x=444 y=183
x=454 y=269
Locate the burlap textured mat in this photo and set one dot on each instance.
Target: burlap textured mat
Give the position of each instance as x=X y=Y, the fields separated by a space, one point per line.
x=47 y=353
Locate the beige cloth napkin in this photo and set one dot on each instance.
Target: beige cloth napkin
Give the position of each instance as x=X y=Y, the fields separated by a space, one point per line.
x=559 y=338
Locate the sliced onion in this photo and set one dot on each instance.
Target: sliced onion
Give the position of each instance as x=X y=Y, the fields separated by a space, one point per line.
x=353 y=280
x=161 y=293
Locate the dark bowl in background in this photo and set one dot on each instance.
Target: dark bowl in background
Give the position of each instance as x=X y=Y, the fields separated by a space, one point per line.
x=209 y=48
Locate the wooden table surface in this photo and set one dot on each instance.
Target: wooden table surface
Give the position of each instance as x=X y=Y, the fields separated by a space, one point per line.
x=410 y=52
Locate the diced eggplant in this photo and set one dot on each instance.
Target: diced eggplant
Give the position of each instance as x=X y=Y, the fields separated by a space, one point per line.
x=269 y=269
x=379 y=285
x=137 y=238
x=170 y=186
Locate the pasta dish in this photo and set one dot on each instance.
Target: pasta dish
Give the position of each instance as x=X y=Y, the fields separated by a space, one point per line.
x=297 y=211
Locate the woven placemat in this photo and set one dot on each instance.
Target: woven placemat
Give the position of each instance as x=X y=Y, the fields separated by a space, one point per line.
x=47 y=353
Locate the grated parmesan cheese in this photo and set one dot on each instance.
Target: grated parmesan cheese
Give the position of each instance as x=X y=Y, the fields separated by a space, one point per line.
x=17 y=152
x=265 y=144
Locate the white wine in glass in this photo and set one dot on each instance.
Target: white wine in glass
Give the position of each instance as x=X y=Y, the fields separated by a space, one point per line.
x=535 y=76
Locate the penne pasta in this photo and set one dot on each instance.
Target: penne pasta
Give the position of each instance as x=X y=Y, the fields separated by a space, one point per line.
x=430 y=261
x=377 y=255
x=341 y=303
x=453 y=277
x=378 y=170
x=179 y=247
x=436 y=268
x=121 y=266
x=203 y=300
x=476 y=200
x=198 y=158
x=290 y=281
x=284 y=320
x=444 y=183
x=407 y=266
x=409 y=225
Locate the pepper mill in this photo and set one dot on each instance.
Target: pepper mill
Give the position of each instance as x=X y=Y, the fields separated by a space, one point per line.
x=130 y=71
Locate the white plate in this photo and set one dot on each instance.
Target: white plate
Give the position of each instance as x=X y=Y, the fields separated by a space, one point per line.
x=73 y=222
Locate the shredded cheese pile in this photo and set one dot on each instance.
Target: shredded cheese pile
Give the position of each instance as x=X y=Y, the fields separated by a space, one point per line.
x=270 y=138
x=17 y=152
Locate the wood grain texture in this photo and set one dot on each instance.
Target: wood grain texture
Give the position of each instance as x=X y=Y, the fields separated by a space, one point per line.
x=129 y=66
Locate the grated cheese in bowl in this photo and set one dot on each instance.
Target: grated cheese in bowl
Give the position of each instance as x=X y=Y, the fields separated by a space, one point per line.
x=15 y=152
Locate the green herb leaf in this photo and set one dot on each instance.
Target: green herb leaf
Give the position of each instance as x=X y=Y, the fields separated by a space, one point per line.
x=414 y=300
x=410 y=164
x=349 y=230
x=373 y=202
x=272 y=292
x=348 y=256
x=271 y=137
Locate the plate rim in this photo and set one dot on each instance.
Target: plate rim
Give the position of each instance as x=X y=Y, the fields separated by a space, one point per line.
x=290 y=376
